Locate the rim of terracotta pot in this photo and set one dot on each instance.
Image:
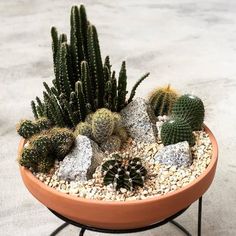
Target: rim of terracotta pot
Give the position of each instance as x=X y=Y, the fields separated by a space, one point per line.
x=214 y=159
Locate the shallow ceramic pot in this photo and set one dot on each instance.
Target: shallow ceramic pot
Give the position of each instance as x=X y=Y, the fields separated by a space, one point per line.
x=121 y=215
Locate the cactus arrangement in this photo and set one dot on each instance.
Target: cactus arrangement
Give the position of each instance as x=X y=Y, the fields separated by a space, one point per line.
x=83 y=83
x=176 y=130
x=122 y=174
x=162 y=100
x=28 y=128
x=105 y=128
x=191 y=109
x=45 y=147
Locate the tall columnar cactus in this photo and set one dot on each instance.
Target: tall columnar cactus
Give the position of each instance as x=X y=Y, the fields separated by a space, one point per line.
x=45 y=147
x=102 y=125
x=176 y=130
x=162 y=100
x=122 y=174
x=78 y=66
x=191 y=109
x=27 y=128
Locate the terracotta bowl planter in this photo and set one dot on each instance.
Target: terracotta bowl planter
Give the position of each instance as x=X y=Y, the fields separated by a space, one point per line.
x=121 y=215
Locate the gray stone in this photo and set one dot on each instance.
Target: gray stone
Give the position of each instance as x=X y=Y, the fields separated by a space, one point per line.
x=139 y=120
x=82 y=161
x=178 y=154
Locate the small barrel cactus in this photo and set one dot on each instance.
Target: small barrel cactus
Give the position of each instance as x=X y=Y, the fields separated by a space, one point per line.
x=191 y=109
x=83 y=128
x=102 y=125
x=124 y=174
x=28 y=128
x=112 y=144
x=41 y=143
x=176 y=130
x=62 y=140
x=162 y=100
x=89 y=118
x=117 y=120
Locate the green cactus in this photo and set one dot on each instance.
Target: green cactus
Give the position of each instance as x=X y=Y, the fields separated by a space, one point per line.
x=27 y=128
x=191 y=109
x=162 y=100
x=62 y=140
x=83 y=128
x=82 y=82
x=112 y=144
x=123 y=174
x=102 y=125
x=176 y=130
x=44 y=148
x=117 y=120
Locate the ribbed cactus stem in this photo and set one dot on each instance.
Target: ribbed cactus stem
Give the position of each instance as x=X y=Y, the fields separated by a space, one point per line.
x=95 y=62
x=122 y=84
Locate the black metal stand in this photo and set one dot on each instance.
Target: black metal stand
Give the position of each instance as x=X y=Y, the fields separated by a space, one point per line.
x=114 y=231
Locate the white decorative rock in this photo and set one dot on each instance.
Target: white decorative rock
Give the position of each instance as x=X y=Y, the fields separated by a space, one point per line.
x=178 y=154
x=82 y=161
x=139 y=120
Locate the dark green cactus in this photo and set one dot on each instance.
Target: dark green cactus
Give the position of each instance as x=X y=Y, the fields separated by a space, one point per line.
x=80 y=61
x=176 y=130
x=122 y=174
x=191 y=109
x=162 y=100
x=44 y=148
x=62 y=140
x=27 y=128
x=102 y=125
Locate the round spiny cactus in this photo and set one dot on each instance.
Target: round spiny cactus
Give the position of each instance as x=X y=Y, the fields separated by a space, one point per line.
x=122 y=174
x=45 y=164
x=176 y=130
x=191 y=109
x=117 y=120
x=162 y=100
x=43 y=123
x=112 y=144
x=102 y=125
x=62 y=140
x=83 y=128
x=27 y=128
x=41 y=143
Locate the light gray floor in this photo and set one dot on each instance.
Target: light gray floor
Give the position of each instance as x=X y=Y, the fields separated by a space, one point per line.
x=190 y=44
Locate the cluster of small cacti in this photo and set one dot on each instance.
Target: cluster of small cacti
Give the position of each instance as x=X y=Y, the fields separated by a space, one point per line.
x=28 y=128
x=105 y=128
x=123 y=174
x=187 y=116
x=43 y=148
x=162 y=100
x=82 y=82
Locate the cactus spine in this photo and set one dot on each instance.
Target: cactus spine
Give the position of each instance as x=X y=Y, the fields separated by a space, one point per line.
x=162 y=100
x=80 y=61
x=102 y=125
x=122 y=174
x=27 y=128
x=176 y=130
x=45 y=147
x=191 y=109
